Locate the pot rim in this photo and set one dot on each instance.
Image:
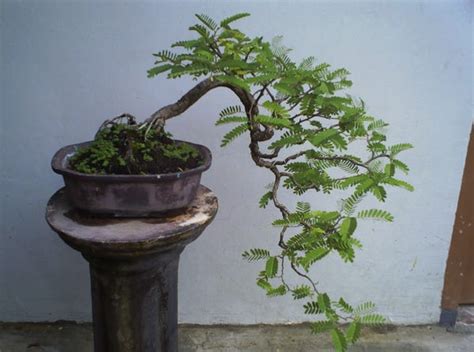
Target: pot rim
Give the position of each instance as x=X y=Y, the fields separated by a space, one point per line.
x=59 y=157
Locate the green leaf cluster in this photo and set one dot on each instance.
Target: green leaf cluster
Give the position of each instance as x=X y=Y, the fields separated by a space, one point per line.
x=307 y=107
x=127 y=149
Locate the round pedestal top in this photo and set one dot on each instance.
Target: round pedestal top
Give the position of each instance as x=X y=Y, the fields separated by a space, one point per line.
x=95 y=234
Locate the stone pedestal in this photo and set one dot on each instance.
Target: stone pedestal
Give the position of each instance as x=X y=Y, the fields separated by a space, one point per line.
x=134 y=270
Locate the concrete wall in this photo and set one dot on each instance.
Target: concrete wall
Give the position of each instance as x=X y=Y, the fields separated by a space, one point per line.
x=66 y=66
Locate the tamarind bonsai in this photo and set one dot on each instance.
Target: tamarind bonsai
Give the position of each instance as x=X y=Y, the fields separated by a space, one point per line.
x=301 y=125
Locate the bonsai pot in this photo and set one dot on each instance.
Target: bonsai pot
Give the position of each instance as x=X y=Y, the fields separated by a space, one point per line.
x=129 y=195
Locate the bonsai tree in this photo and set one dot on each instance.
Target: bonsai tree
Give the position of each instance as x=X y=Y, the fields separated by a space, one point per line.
x=301 y=125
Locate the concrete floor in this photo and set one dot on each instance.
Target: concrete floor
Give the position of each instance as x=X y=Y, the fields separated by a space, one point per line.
x=69 y=337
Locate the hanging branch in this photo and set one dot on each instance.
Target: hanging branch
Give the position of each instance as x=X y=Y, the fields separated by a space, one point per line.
x=298 y=102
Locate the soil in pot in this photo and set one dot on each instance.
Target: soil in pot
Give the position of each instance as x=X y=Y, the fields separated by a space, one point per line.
x=127 y=171
x=127 y=149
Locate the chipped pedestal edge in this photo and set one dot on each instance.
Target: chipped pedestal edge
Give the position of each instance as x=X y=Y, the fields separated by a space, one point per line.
x=134 y=270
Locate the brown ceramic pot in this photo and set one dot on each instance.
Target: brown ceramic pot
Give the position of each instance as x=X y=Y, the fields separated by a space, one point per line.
x=129 y=195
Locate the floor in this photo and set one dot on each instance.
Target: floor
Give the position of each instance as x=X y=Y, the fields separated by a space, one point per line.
x=70 y=337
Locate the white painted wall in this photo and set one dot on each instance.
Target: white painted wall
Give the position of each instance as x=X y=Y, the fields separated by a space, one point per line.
x=66 y=66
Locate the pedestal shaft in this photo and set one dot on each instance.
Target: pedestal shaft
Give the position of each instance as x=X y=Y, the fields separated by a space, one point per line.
x=134 y=303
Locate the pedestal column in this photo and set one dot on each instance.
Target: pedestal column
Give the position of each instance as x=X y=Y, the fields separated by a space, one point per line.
x=134 y=270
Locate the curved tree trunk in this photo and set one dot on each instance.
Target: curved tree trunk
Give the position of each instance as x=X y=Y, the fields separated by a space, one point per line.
x=198 y=91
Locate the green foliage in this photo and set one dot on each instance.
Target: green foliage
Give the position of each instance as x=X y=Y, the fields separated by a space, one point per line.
x=312 y=256
x=225 y=22
x=339 y=340
x=364 y=308
x=375 y=214
x=353 y=332
x=372 y=319
x=272 y=121
x=344 y=306
x=231 y=119
x=348 y=227
x=321 y=137
x=398 y=148
x=312 y=308
x=277 y=291
x=323 y=302
x=230 y=110
x=271 y=267
x=234 y=133
x=256 y=254
x=322 y=326
x=302 y=291
x=263 y=202
x=125 y=149
x=305 y=105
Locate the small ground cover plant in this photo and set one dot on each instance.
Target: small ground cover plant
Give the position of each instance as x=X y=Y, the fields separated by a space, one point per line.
x=121 y=146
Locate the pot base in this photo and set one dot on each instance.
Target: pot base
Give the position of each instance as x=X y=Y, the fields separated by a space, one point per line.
x=129 y=195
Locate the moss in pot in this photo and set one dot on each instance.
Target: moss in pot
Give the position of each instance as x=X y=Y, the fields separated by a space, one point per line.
x=126 y=149
x=127 y=171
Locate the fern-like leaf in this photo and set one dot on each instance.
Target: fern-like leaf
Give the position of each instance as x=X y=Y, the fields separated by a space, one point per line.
x=322 y=326
x=272 y=121
x=353 y=332
x=364 y=308
x=312 y=308
x=339 y=340
x=372 y=319
x=399 y=183
x=234 y=133
x=347 y=227
x=276 y=291
x=398 y=148
x=375 y=214
x=324 y=302
x=230 y=110
x=187 y=44
x=226 y=21
x=287 y=139
x=377 y=125
x=321 y=137
x=303 y=207
x=263 y=202
x=349 y=204
x=344 y=306
x=276 y=109
x=340 y=73
x=271 y=267
x=307 y=63
x=302 y=291
x=312 y=256
x=207 y=21
x=379 y=192
x=235 y=81
x=256 y=254
x=401 y=166
x=158 y=69
x=201 y=30
x=166 y=55
x=231 y=119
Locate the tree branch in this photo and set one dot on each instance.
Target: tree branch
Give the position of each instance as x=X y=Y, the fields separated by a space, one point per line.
x=193 y=95
x=199 y=90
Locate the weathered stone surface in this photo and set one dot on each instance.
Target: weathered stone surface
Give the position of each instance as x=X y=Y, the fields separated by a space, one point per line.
x=259 y=338
x=134 y=270
x=129 y=236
